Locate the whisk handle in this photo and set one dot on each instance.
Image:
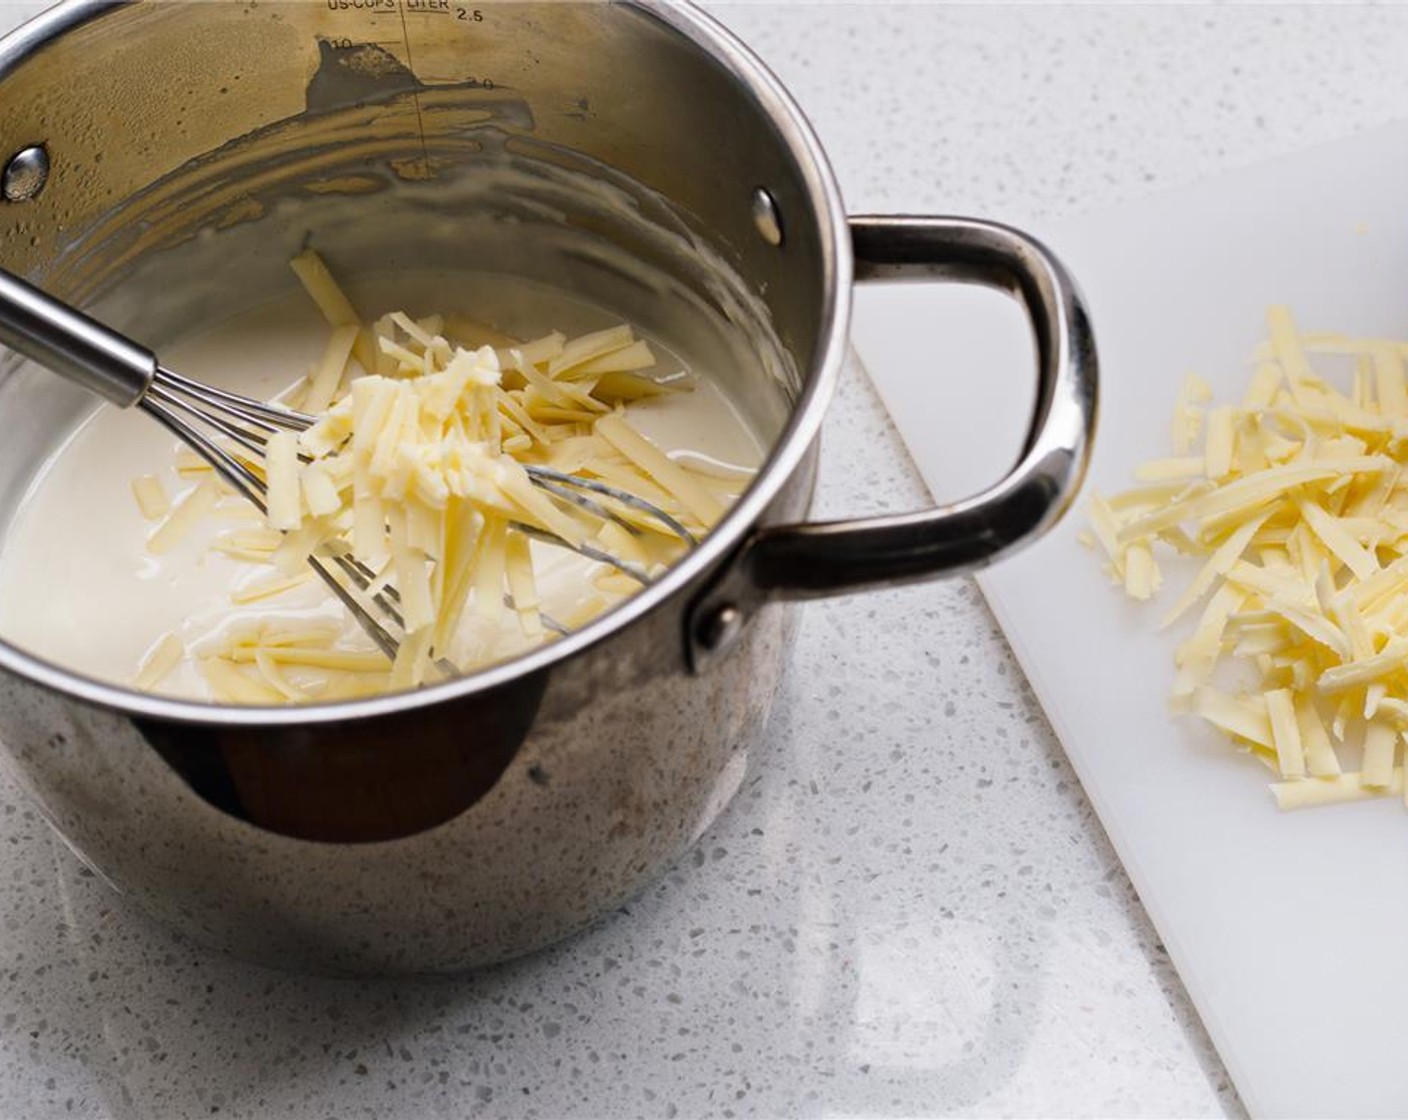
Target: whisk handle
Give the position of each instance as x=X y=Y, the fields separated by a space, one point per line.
x=71 y=344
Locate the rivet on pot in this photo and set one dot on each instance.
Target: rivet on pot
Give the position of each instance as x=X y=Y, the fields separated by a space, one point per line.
x=720 y=628
x=25 y=174
x=766 y=217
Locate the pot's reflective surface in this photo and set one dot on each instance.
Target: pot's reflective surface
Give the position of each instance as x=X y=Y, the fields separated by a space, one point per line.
x=569 y=143
x=504 y=836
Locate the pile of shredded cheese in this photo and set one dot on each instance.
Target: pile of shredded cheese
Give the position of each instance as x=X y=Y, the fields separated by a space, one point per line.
x=1296 y=503
x=416 y=467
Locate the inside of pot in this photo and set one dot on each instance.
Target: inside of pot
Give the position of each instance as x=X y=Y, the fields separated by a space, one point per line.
x=541 y=151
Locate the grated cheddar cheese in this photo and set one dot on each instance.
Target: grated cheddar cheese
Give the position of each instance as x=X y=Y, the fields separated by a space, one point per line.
x=417 y=467
x=1295 y=502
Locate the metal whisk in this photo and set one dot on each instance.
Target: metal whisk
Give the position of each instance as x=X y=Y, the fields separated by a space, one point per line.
x=84 y=351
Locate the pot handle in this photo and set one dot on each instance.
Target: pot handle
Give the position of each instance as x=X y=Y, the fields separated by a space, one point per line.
x=826 y=558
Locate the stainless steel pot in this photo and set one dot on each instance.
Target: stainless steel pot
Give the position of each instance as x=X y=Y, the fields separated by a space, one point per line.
x=164 y=159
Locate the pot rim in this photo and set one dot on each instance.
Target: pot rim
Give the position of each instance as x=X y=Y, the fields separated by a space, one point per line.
x=818 y=386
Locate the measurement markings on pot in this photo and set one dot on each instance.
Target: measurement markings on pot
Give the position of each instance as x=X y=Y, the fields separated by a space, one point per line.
x=397 y=39
x=415 y=96
x=369 y=6
x=415 y=7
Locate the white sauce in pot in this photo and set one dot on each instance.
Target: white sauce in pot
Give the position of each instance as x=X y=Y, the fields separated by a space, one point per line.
x=78 y=586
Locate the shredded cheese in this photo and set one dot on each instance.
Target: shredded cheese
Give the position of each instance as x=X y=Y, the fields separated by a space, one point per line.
x=281 y=474
x=151 y=497
x=1296 y=500
x=184 y=517
x=688 y=491
x=159 y=661
x=417 y=466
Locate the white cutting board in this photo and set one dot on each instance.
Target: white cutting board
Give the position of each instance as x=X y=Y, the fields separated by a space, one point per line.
x=1290 y=930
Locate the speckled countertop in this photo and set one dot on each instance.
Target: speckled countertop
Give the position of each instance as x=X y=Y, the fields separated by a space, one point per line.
x=912 y=911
